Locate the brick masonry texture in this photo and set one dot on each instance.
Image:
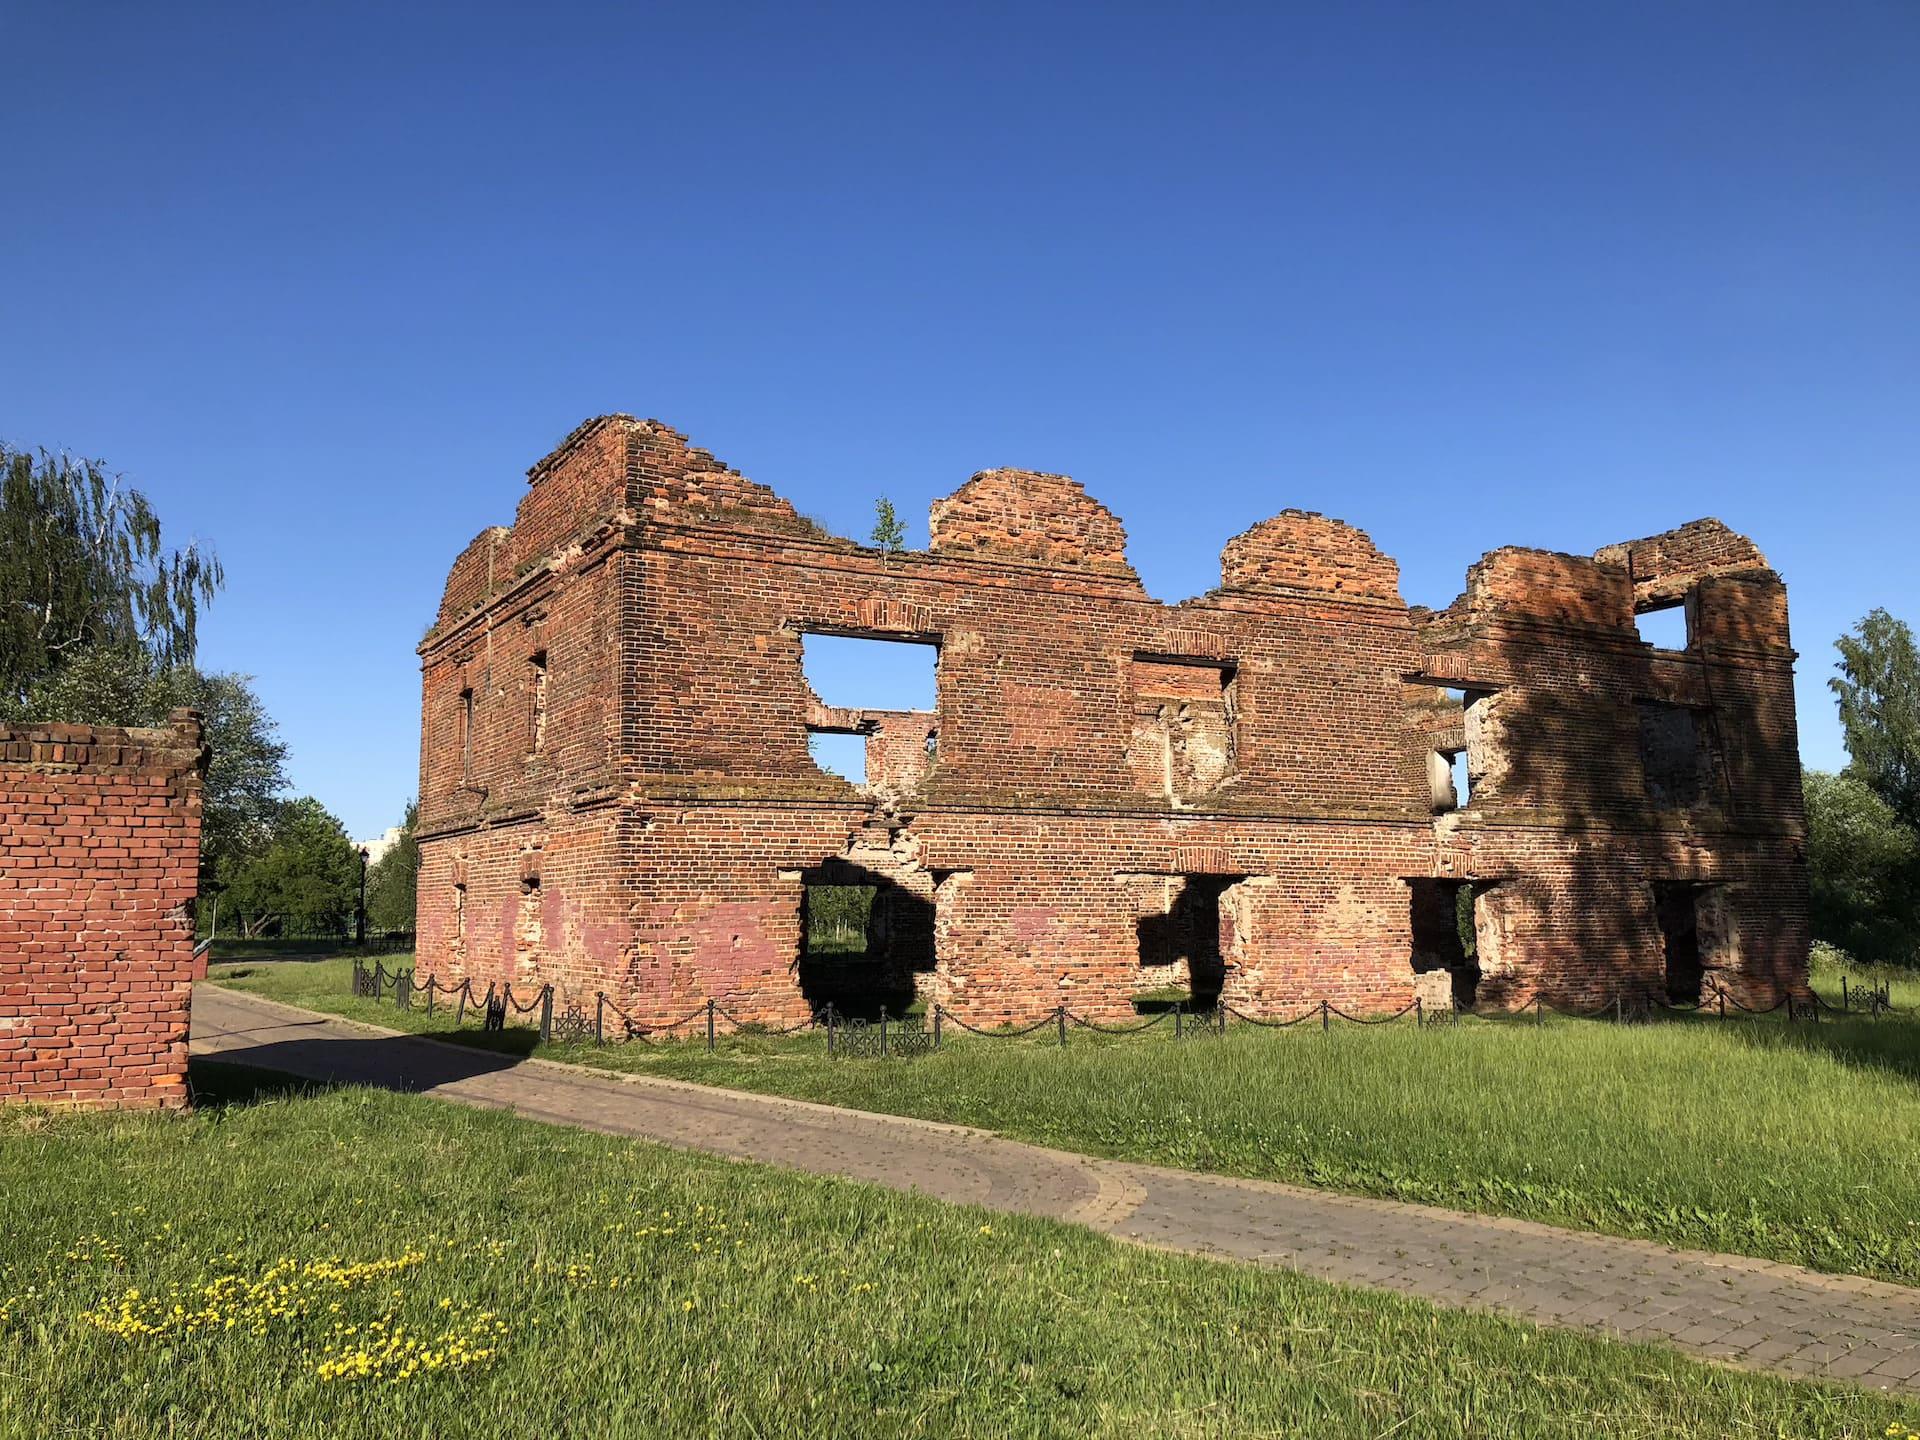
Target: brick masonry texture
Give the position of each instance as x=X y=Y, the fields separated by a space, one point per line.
x=100 y=829
x=1246 y=793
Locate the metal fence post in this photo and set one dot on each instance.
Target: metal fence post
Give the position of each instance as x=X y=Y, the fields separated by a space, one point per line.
x=460 y=1006
x=1721 y=991
x=883 y=1030
x=1060 y=1019
x=1178 y=1030
x=936 y=1026
x=1619 y=1009
x=710 y=1026
x=432 y=989
x=1539 y=1011
x=1220 y=1015
x=1843 y=993
x=829 y=1027
x=599 y=1017
x=1419 y=1015
x=1326 y=1017
x=546 y=1014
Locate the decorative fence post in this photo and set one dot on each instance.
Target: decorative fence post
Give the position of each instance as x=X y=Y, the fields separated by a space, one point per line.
x=1721 y=992
x=1619 y=1009
x=546 y=1014
x=1844 y=1003
x=1326 y=1017
x=1539 y=1011
x=936 y=1026
x=710 y=1008
x=830 y=1036
x=599 y=1017
x=1220 y=1015
x=1060 y=1018
x=1178 y=1030
x=432 y=988
x=1419 y=1015
x=883 y=1031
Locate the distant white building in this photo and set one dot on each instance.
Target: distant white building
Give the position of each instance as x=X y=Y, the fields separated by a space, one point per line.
x=378 y=847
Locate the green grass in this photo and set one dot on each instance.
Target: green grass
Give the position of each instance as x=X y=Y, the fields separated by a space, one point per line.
x=607 y=1287
x=1790 y=1142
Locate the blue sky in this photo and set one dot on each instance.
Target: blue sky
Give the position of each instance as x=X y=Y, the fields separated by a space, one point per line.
x=324 y=280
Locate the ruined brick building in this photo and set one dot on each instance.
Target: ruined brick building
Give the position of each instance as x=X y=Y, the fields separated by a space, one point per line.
x=1252 y=793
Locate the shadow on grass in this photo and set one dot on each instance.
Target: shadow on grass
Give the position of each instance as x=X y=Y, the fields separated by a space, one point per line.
x=1889 y=1044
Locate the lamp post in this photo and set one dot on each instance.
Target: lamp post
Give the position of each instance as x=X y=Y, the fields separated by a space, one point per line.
x=360 y=911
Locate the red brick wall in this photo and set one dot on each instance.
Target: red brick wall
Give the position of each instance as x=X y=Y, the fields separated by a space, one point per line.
x=100 y=829
x=675 y=813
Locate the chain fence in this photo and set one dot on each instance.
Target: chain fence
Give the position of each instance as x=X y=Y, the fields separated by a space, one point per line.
x=606 y=1023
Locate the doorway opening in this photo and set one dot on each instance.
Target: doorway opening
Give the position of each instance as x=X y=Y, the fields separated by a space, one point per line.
x=1445 y=935
x=864 y=938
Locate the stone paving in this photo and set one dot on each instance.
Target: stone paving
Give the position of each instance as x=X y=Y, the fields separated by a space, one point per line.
x=1747 y=1312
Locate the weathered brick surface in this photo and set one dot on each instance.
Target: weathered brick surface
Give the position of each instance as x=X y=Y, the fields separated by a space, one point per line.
x=616 y=791
x=100 y=833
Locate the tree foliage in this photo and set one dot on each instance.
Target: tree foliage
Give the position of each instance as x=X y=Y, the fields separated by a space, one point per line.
x=1879 y=691
x=305 y=881
x=1863 y=826
x=1861 y=864
x=888 y=533
x=390 y=883
x=82 y=567
x=121 y=685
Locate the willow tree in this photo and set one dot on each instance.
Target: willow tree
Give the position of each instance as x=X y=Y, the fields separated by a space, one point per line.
x=82 y=567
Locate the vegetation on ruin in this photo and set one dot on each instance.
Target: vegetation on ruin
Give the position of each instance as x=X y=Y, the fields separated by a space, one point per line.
x=1790 y=1142
x=287 y=1262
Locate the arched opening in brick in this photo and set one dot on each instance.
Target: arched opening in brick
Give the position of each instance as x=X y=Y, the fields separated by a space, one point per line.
x=864 y=938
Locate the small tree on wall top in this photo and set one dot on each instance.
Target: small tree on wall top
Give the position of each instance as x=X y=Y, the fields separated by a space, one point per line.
x=888 y=533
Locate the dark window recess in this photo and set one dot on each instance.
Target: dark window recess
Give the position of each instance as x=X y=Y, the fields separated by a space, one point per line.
x=466 y=734
x=1673 y=751
x=1443 y=935
x=1678 y=908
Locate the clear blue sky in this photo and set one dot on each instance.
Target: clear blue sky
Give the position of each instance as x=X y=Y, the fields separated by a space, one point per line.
x=325 y=279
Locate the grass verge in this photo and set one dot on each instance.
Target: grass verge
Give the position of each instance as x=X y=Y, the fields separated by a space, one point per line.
x=355 y=1263
x=1789 y=1142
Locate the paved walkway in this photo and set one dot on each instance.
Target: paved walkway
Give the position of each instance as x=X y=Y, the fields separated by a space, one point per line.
x=1748 y=1312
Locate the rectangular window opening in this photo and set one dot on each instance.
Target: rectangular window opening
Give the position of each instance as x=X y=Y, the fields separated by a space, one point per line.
x=1673 y=754
x=466 y=734
x=1183 y=743
x=839 y=752
x=875 y=703
x=538 y=737
x=1665 y=627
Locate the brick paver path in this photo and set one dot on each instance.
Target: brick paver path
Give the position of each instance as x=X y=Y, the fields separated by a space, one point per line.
x=1750 y=1312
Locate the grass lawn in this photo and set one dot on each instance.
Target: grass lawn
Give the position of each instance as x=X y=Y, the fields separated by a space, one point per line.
x=1791 y=1142
x=356 y=1263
